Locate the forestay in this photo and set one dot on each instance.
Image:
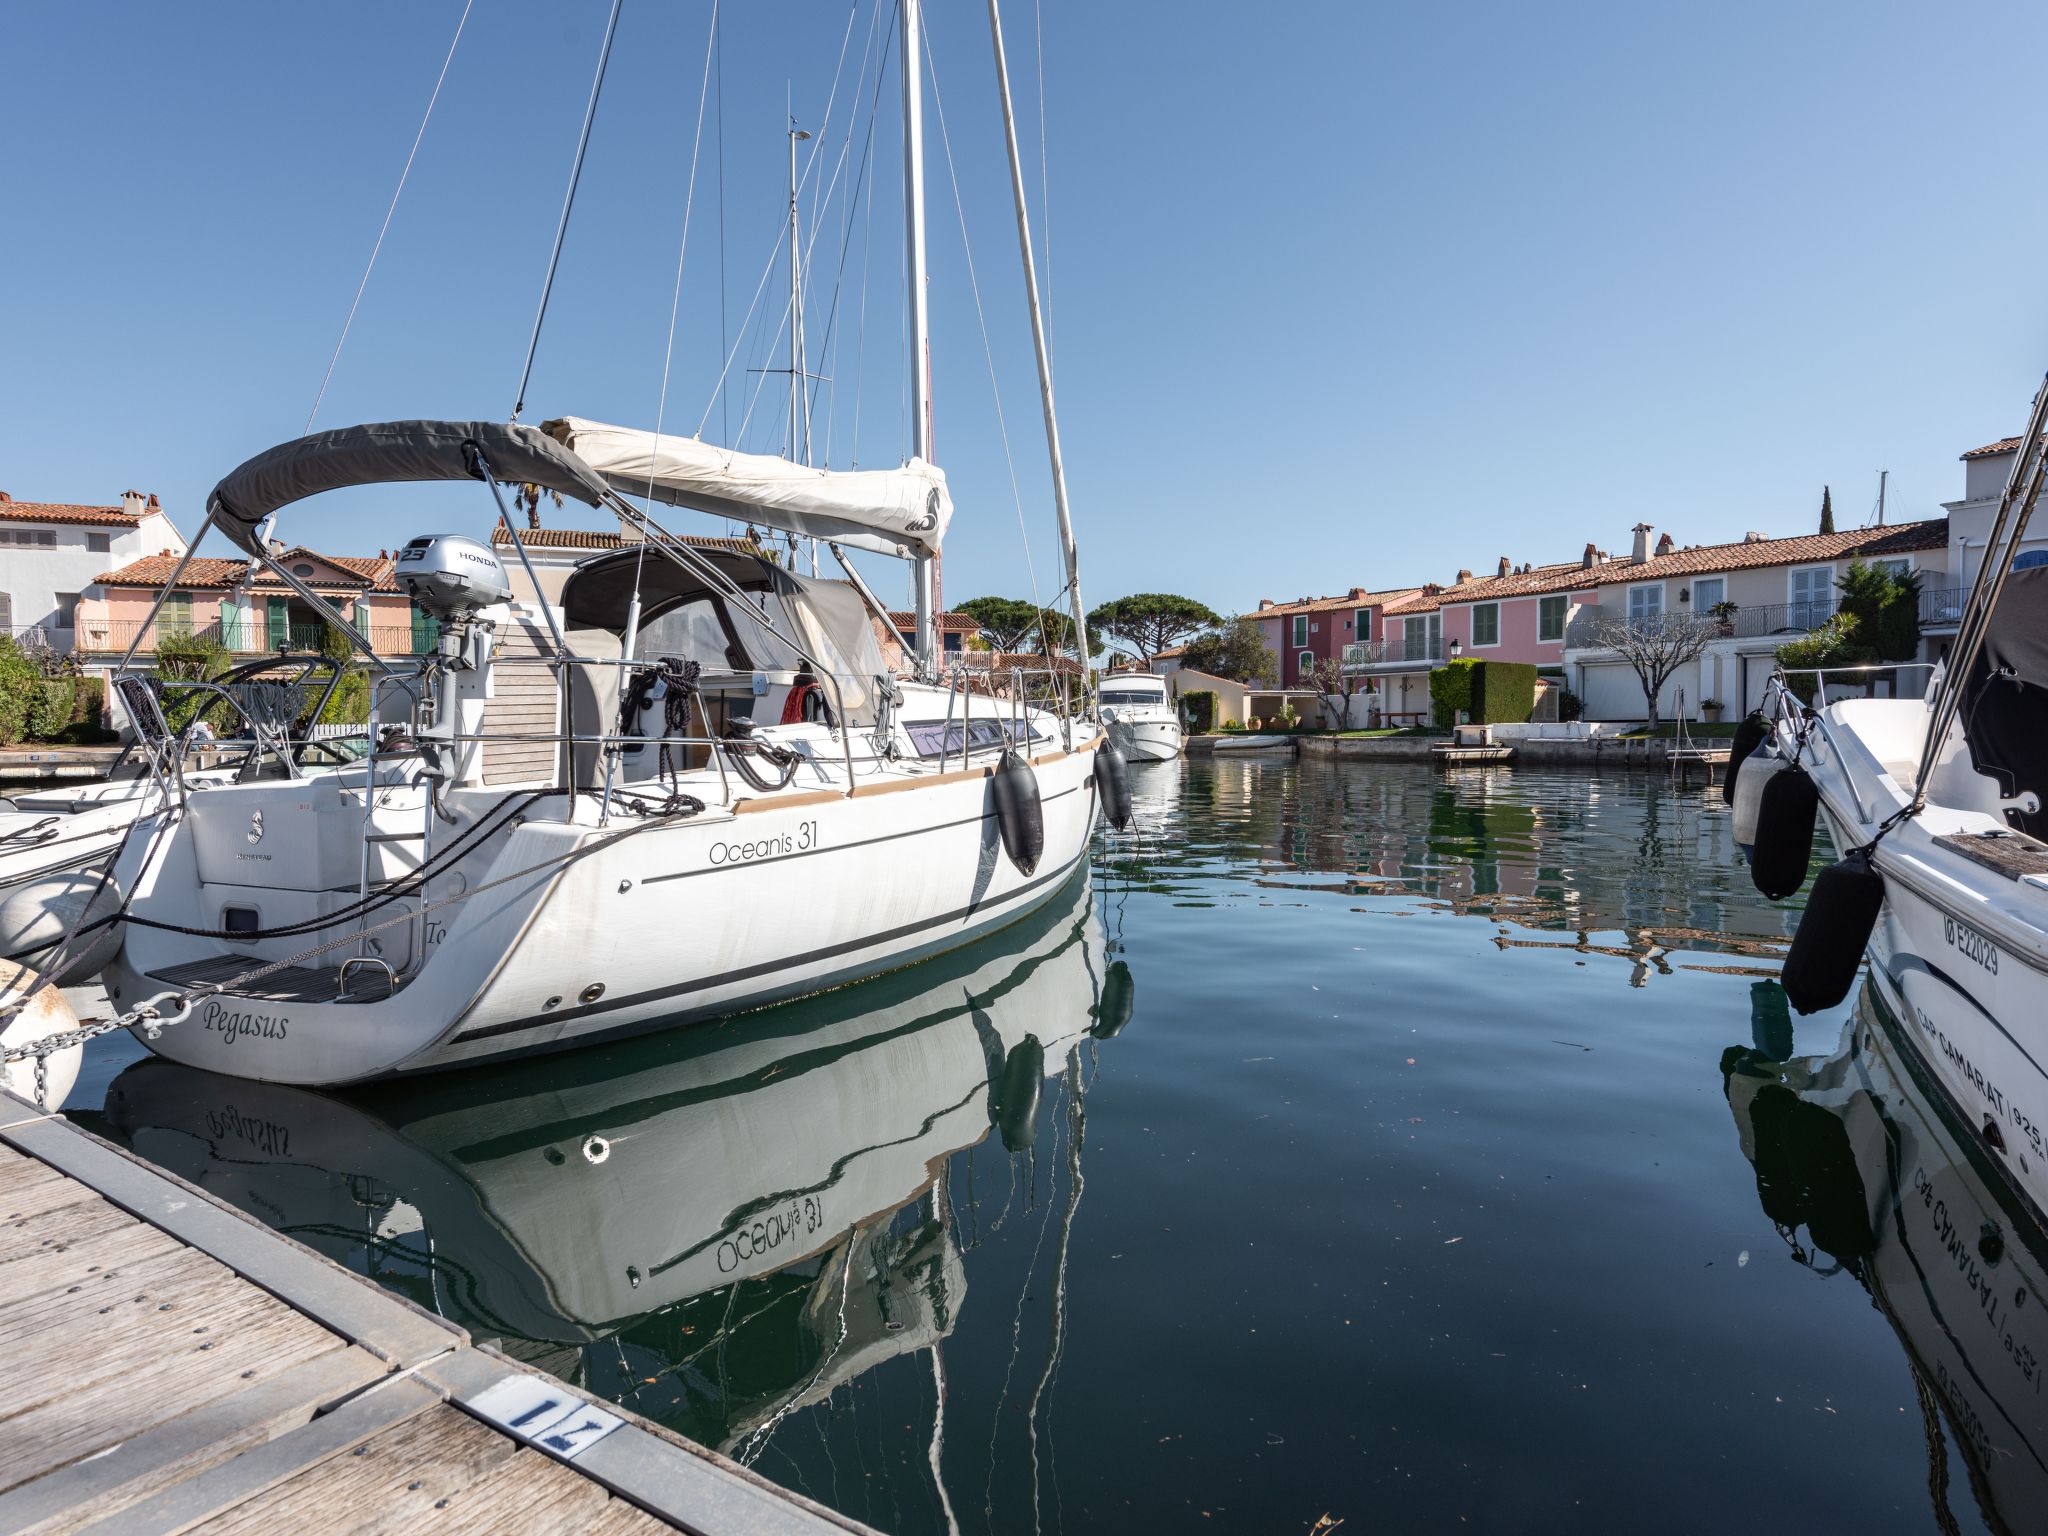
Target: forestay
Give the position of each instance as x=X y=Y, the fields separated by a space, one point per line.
x=901 y=512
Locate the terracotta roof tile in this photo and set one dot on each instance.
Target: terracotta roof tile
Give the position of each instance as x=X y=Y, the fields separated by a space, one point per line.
x=2003 y=445
x=1333 y=604
x=66 y=512
x=960 y=623
x=1710 y=559
x=155 y=570
x=591 y=538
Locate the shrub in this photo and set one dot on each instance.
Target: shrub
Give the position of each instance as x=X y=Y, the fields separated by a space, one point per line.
x=1450 y=689
x=187 y=659
x=1886 y=607
x=1201 y=708
x=1502 y=692
x=1837 y=643
x=1569 y=705
x=89 y=703
x=19 y=678
x=1289 y=716
x=49 y=708
x=1232 y=726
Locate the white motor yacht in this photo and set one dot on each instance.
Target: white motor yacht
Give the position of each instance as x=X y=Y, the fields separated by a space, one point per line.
x=1140 y=717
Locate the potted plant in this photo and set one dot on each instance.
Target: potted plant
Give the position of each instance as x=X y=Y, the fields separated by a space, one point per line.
x=1710 y=711
x=1724 y=613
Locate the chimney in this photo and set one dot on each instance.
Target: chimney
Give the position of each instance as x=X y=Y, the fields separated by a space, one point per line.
x=1463 y=577
x=1590 y=558
x=1505 y=568
x=1357 y=593
x=1265 y=603
x=133 y=503
x=154 y=504
x=1664 y=545
x=1640 y=554
x=1754 y=537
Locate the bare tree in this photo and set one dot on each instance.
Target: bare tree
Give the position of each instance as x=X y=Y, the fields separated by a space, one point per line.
x=1333 y=688
x=1656 y=646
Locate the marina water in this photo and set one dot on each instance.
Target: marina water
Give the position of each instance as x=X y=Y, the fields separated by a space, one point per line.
x=1422 y=1151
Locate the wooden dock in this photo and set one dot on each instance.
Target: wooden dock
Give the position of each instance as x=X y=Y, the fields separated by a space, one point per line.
x=172 y=1365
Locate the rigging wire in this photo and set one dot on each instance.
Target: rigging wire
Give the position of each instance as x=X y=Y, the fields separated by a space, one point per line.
x=676 y=296
x=988 y=349
x=385 y=228
x=547 y=287
x=725 y=411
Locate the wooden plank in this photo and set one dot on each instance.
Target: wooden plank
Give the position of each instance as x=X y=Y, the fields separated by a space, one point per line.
x=619 y=1518
x=113 y=1340
x=174 y=1380
x=527 y=1493
x=27 y=1316
x=185 y=1447
x=30 y=1235
x=404 y=1477
x=29 y=1188
x=64 y=1263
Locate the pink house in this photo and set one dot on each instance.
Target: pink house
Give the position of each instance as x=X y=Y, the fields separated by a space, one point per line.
x=1316 y=629
x=1518 y=613
x=251 y=615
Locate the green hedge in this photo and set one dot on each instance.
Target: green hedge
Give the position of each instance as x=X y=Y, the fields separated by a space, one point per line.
x=1202 y=710
x=1503 y=692
x=1450 y=690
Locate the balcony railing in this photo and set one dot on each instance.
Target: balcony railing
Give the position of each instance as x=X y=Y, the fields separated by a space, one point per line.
x=111 y=638
x=1766 y=620
x=1362 y=655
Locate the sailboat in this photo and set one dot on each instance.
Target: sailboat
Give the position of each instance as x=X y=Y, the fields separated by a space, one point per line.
x=1937 y=805
x=688 y=788
x=811 y=1233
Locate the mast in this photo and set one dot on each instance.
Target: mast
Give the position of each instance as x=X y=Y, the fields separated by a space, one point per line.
x=925 y=568
x=799 y=418
x=1052 y=426
x=1883 y=475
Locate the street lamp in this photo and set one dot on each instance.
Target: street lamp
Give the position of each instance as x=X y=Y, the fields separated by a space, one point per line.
x=1457 y=648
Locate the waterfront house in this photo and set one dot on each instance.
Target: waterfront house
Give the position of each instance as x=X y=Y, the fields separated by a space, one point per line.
x=1778 y=588
x=249 y=612
x=50 y=553
x=1969 y=520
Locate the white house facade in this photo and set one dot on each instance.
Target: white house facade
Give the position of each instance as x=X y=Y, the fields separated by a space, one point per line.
x=51 y=552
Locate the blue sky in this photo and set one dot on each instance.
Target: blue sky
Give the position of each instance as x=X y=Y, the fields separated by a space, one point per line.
x=1341 y=294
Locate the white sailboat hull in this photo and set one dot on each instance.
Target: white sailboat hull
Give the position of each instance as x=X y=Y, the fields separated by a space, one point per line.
x=597 y=931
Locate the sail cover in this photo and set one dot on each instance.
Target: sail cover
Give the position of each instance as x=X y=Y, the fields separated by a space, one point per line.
x=387 y=451
x=901 y=512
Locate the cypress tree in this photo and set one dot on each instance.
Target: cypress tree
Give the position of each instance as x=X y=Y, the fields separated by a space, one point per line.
x=1827 y=510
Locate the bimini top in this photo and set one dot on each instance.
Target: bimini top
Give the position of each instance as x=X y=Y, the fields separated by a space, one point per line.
x=382 y=452
x=901 y=512
x=683 y=612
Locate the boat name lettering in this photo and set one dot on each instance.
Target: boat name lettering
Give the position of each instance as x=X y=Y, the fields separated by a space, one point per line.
x=1965 y=1411
x=266 y=1136
x=802 y=840
x=1960 y=1244
x=1993 y=1095
x=765 y=1234
x=1971 y=943
x=231 y=1024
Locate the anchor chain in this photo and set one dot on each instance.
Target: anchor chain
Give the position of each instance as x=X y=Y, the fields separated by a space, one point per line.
x=146 y=1017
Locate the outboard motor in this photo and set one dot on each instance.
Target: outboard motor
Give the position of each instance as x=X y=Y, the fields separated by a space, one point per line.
x=1020 y=813
x=1113 y=784
x=451 y=577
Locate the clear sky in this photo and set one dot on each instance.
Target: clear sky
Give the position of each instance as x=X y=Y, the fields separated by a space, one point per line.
x=1342 y=294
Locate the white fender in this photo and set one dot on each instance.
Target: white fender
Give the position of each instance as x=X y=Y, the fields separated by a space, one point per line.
x=1757 y=770
x=47 y=1014
x=37 y=913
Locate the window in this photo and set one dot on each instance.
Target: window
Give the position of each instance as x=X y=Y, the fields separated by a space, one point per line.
x=302 y=570
x=1645 y=603
x=1550 y=612
x=67 y=610
x=1486 y=624
x=1813 y=595
x=1301 y=629
x=30 y=538
x=1304 y=663
x=99 y=543
x=1706 y=592
x=1363 y=626
x=1898 y=567
x=1423 y=640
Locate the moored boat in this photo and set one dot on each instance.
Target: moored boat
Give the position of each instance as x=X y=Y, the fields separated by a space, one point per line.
x=1140 y=718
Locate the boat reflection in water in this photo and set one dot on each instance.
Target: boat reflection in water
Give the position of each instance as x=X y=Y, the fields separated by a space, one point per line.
x=716 y=1226
x=1856 y=1152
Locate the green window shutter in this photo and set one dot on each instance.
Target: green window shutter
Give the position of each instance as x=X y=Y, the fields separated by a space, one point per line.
x=177 y=614
x=278 y=624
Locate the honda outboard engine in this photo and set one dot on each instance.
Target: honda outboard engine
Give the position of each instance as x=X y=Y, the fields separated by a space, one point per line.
x=451 y=577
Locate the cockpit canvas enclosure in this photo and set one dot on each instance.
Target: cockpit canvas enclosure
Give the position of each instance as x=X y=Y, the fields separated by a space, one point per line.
x=901 y=512
x=685 y=613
